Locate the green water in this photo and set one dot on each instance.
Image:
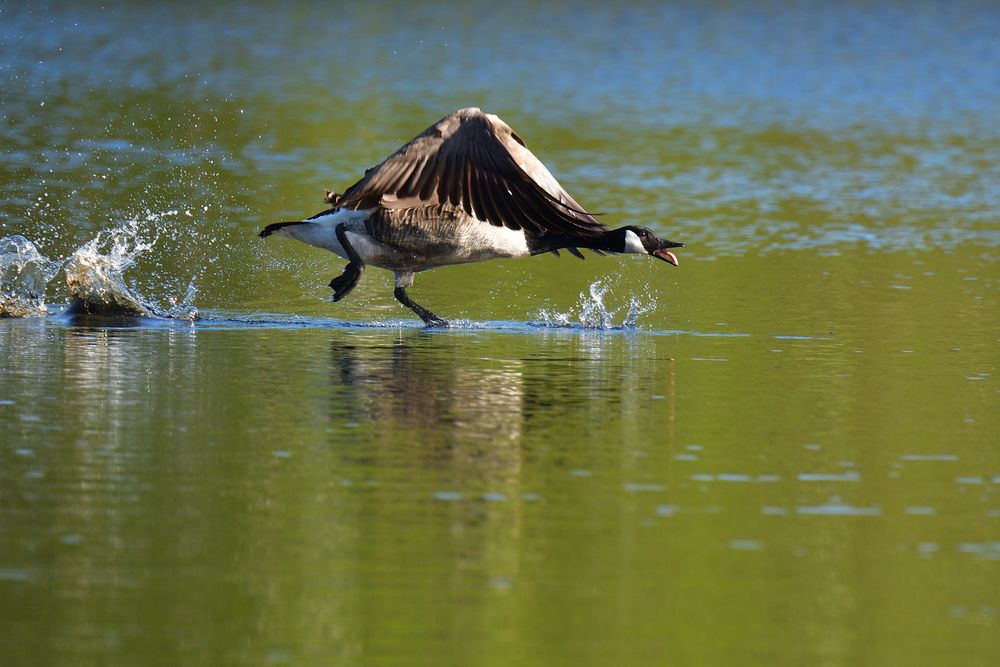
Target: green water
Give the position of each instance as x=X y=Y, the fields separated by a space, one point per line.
x=792 y=458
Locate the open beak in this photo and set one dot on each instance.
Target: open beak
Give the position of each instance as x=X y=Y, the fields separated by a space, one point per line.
x=666 y=255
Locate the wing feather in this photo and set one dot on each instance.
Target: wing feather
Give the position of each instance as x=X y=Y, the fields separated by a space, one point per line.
x=474 y=161
x=467 y=185
x=450 y=183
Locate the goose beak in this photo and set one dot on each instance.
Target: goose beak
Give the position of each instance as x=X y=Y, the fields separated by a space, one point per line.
x=666 y=255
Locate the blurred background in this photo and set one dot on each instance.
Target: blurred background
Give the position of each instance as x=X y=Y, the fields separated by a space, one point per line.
x=790 y=459
x=742 y=128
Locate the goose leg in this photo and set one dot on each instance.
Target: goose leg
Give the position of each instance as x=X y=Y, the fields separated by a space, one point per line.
x=345 y=282
x=429 y=318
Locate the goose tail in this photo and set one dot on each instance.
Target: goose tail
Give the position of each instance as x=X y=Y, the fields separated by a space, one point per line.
x=278 y=226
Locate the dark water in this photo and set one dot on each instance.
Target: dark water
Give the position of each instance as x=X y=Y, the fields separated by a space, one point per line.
x=783 y=452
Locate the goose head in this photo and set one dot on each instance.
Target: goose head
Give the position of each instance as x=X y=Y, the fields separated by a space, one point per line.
x=643 y=241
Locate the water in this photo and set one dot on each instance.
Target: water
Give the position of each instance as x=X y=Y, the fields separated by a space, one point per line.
x=783 y=452
x=24 y=275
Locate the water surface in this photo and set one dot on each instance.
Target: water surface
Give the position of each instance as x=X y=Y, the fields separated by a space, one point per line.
x=783 y=452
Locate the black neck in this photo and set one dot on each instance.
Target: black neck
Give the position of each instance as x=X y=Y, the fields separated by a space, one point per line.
x=612 y=240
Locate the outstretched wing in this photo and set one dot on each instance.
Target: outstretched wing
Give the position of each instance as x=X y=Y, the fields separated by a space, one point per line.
x=474 y=160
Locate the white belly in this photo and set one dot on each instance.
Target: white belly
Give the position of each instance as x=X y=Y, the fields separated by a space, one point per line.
x=472 y=241
x=486 y=241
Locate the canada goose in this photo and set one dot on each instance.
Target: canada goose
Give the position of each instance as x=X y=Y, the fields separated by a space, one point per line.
x=466 y=189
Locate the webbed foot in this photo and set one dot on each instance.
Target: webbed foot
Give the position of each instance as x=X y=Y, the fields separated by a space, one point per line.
x=345 y=282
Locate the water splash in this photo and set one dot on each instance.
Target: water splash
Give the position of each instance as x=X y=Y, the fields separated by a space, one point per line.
x=591 y=311
x=95 y=275
x=24 y=273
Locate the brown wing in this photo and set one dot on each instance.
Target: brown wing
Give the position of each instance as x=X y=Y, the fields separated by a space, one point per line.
x=474 y=161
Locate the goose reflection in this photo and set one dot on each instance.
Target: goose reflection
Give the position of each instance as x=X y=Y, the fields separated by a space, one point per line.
x=464 y=397
x=427 y=395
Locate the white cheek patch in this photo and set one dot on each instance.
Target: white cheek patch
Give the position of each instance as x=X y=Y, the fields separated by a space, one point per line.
x=633 y=244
